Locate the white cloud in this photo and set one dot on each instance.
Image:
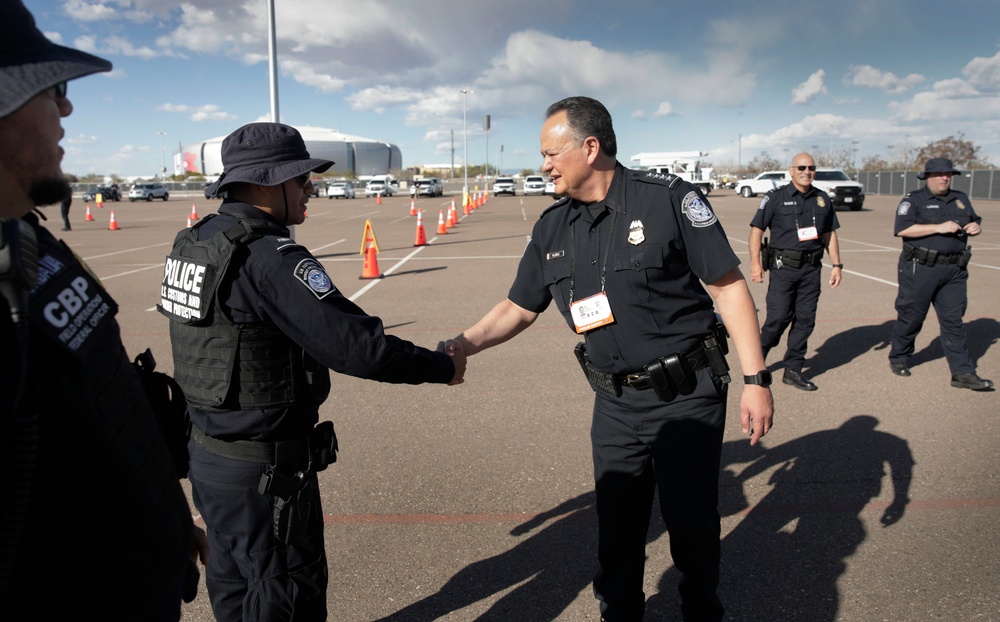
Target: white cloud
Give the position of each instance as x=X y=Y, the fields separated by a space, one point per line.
x=666 y=109
x=984 y=73
x=87 y=12
x=207 y=112
x=808 y=90
x=870 y=77
x=54 y=37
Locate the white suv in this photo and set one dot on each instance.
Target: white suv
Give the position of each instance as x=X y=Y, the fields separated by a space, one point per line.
x=504 y=185
x=534 y=184
x=148 y=192
x=840 y=187
x=768 y=180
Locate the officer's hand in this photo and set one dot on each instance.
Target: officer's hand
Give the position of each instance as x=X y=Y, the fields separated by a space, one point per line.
x=199 y=545
x=835 y=277
x=973 y=228
x=949 y=226
x=757 y=273
x=454 y=349
x=756 y=411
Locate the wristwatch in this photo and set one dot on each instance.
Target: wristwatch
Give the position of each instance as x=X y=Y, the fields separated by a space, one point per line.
x=762 y=378
x=838 y=265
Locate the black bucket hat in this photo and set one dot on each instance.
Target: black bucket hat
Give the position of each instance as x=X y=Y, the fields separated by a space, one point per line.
x=938 y=165
x=265 y=154
x=30 y=63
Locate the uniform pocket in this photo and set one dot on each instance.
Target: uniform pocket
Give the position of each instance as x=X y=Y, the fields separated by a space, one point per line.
x=643 y=271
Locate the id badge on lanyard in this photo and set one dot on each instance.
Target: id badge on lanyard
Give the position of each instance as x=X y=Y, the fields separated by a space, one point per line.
x=591 y=312
x=808 y=233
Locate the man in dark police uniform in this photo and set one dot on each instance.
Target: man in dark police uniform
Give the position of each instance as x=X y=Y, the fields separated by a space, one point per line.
x=94 y=524
x=256 y=325
x=623 y=255
x=803 y=223
x=935 y=223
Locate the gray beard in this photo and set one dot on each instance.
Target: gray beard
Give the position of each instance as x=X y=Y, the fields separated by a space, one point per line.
x=49 y=191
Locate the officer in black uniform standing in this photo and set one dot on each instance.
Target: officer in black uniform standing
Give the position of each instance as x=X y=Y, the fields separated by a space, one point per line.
x=623 y=255
x=256 y=324
x=94 y=524
x=803 y=223
x=935 y=223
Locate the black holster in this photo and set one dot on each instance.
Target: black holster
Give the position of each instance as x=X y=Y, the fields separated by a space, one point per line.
x=671 y=376
x=766 y=256
x=291 y=503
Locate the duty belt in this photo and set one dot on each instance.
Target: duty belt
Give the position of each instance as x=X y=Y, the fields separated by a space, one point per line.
x=641 y=380
x=312 y=453
x=795 y=259
x=930 y=257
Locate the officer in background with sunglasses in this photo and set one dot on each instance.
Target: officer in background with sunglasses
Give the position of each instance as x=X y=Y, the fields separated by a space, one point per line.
x=803 y=224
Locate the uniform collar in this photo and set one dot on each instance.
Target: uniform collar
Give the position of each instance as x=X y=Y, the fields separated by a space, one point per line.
x=245 y=210
x=612 y=200
x=805 y=195
x=944 y=198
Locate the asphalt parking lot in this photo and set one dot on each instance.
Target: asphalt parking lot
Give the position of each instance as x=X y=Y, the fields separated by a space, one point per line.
x=475 y=502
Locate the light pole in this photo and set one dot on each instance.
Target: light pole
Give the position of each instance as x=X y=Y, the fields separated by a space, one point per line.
x=465 y=131
x=854 y=155
x=163 y=156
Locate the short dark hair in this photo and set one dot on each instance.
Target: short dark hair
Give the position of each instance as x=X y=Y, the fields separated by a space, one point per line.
x=588 y=117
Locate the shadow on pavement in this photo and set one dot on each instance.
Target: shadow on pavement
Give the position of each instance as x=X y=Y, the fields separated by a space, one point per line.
x=781 y=563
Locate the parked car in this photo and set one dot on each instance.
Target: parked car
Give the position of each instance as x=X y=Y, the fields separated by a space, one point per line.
x=379 y=187
x=108 y=193
x=840 y=187
x=534 y=184
x=760 y=184
x=550 y=189
x=148 y=192
x=431 y=187
x=504 y=185
x=340 y=190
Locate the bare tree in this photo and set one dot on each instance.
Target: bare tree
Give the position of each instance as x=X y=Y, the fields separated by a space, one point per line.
x=964 y=153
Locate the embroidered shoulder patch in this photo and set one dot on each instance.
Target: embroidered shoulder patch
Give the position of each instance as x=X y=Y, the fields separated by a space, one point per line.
x=903 y=208
x=311 y=273
x=697 y=211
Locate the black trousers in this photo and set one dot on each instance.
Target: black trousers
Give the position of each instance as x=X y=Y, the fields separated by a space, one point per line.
x=944 y=286
x=251 y=577
x=640 y=445
x=792 y=298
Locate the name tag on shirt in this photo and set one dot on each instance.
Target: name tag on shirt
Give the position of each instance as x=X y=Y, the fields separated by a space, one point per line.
x=591 y=312
x=808 y=233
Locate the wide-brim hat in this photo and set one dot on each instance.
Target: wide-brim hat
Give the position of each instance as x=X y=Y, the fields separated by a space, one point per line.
x=265 y=154
x=30 y=63
x=938 y=165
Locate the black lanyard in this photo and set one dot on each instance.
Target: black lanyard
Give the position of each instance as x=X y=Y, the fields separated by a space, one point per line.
x=796 y=213
x=607 y=247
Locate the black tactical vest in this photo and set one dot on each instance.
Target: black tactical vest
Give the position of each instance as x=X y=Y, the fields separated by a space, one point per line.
x=100 y=455
x=220 y=364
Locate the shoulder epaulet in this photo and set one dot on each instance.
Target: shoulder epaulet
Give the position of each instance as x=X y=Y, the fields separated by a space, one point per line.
x=560 y=202
x=671 y=181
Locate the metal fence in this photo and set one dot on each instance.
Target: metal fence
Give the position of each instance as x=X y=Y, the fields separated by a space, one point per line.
x=982 y=184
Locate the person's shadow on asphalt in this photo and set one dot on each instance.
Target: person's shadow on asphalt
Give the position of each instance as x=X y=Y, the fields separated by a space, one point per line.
x=544 y=572
x=783 y=560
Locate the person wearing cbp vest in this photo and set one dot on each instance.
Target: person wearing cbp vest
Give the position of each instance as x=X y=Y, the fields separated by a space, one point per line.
x=935 y=223
x=623 y=256
x=94 y=524
x=255 y=325
x=803 y=224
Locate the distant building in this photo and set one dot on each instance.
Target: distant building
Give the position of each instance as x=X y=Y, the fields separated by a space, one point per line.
x=355 y=155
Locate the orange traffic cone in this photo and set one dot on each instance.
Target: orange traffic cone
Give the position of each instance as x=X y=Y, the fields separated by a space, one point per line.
x=442 y=227
x=413 y=207
x=378 y=198
x=100 y=204
x=113 y=225
x=451 y=222
x=189 y=222
x=89 y=216
x=421 y=234
x=194 y=212
x=370 y=269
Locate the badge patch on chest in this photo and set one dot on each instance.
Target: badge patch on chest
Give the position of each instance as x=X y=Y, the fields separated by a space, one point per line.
x=820 y=201
x=635 y=235
x=697 y=211
x=313 y=276
x=960 y=204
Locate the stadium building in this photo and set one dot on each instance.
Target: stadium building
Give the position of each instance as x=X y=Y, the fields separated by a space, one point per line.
x=361 y=157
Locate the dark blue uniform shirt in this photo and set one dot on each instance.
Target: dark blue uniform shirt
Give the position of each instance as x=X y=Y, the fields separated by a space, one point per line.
x=923 y=207
x=785 y=210
x=266 y=288
x=664 y=241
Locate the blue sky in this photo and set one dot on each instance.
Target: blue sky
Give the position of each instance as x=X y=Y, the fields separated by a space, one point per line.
x=729 y=78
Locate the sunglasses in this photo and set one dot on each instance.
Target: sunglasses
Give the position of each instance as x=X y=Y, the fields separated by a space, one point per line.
x=60 y=89
x=802 y=168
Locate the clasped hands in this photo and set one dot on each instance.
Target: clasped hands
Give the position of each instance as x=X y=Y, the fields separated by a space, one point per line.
x=453 y=348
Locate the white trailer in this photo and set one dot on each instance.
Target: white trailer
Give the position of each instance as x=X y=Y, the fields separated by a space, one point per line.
x=683 y=164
